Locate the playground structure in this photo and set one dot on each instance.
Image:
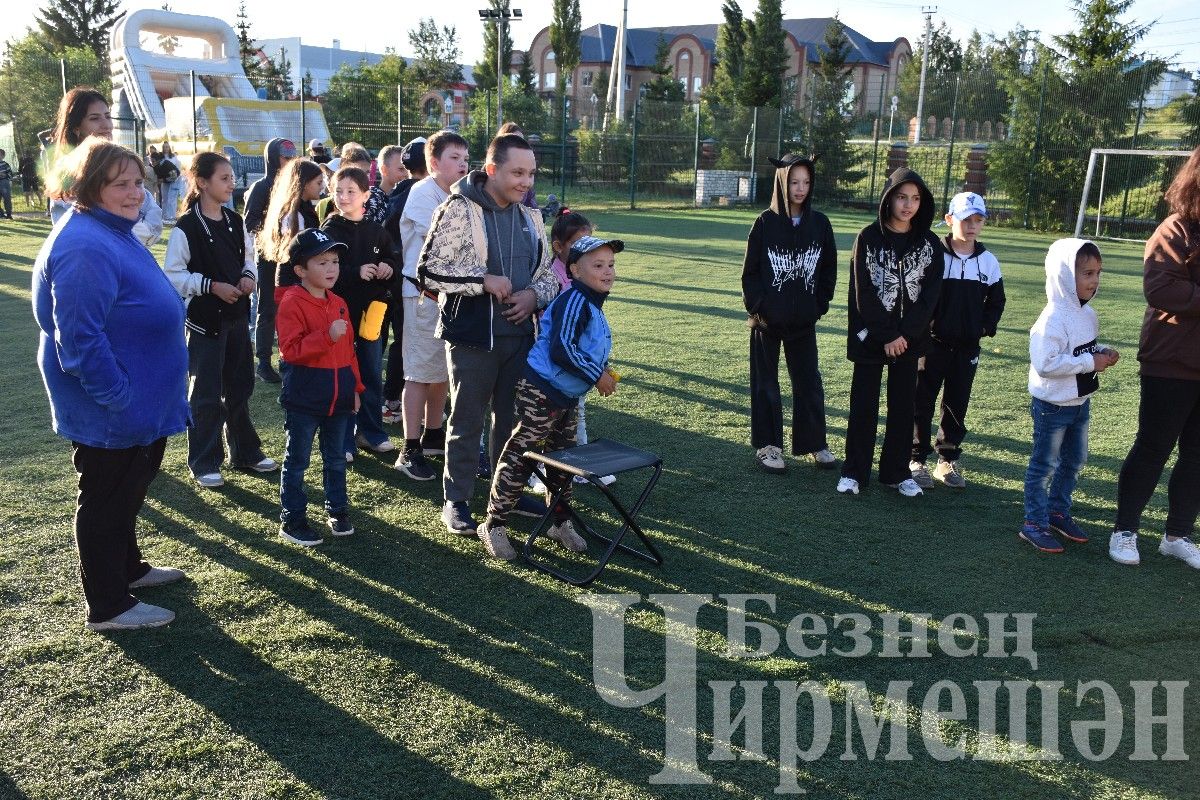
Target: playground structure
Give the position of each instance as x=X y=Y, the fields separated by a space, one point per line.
x=197 y=103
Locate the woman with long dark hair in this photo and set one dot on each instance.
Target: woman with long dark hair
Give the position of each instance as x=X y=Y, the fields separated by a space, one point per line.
x=1169 y=355
x=84 y=112
x=210 y=261
x=114 y=362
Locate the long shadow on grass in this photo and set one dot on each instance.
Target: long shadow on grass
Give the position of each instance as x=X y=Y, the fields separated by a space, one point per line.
x=9 y=789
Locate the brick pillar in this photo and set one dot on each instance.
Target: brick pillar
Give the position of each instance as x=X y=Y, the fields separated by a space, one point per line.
x=897 y=156
x=976 y=177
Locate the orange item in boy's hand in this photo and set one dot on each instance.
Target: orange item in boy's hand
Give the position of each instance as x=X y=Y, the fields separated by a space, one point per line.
x=616 y=376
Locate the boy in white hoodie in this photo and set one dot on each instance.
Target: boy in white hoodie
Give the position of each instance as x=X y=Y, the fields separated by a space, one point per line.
x=1064 y=361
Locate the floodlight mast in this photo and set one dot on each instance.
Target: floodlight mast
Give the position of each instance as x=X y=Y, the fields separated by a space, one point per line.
x=501 y=15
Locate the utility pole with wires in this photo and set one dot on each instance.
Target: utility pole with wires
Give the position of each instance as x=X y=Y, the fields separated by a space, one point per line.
x=928 y=11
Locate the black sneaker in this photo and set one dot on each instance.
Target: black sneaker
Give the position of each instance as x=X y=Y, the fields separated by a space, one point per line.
x=433 y=442
x=340 y=525
x=267 y=373
x=299 y=533
x=528 y=507
x=457 y=518
x=413 y=464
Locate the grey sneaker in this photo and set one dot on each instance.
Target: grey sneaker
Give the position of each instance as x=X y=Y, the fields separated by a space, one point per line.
x=210 y=480
x=920 y=474
x=770 y=458
x=143 y=615
x=157 y=576
x=823 y=458
x=565 y=534
x=495 y=541
x=947 y=472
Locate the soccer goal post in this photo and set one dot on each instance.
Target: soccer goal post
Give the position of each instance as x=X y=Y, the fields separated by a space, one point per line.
x=1130 y=186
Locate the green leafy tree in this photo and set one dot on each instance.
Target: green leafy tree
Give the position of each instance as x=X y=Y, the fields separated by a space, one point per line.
x=31 y=99
x=765 y=57
x=1189 y=114
x=831 y=104
x=981 y=96
x=564 y=40
x=944 y=67
x=79 y=23
x=1064 y=105
x=437 y=54
x=485 y=69
x=360 y=103
x=600 y=92
x=663 y=85
x=247 y=49
x=731 y=44
x=530 y=112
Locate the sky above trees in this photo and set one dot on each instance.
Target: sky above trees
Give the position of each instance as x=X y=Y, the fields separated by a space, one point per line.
x=387 y=25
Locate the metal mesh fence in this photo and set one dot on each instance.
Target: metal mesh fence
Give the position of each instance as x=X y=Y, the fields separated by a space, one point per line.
x=1021 y=141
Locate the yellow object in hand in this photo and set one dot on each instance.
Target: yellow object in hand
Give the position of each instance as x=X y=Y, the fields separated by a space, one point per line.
x=616 y=376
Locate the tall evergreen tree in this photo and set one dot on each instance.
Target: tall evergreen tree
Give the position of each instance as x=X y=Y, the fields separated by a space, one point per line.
x=945 y=64
x=79 y=23
x=485 y=69
x=731 y=44
x=663 y=85
x=525 y=80
x=600 y=91
x=765 y=57
x=831 y=122
x=247 y=49
x=564 y=40
x=1102 y=39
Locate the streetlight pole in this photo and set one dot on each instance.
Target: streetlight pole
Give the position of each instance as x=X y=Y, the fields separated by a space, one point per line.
x=501 y=15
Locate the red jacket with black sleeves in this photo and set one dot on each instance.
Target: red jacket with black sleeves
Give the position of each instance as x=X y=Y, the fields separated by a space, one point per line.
x=322 y=376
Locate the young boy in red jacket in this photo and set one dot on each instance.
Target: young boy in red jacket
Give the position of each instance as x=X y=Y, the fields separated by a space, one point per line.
x=321 y=385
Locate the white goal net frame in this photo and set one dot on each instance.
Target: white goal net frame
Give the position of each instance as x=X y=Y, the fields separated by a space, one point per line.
x=1102 y=155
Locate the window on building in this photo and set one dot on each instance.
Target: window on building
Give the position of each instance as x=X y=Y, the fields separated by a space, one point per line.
x=587 y=79
x=628 y=81
x=696 y=84
x=549 y=55
x=550 y=81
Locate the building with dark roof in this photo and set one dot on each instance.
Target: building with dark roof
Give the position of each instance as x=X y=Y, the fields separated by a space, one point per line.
x=875 y=65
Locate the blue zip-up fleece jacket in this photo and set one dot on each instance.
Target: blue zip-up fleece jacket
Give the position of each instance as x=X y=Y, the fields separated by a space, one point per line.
x=112 y=350
x=571 y=351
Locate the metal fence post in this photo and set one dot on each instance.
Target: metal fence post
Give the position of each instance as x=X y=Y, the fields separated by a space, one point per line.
x=562 y=152
x=1037 y=141
x=696 y=154
x=194 y=137
x=878 y=124
x=754 y=156
x=399 y=114
x=303 y=128
x=950 y=152
x=633 y=157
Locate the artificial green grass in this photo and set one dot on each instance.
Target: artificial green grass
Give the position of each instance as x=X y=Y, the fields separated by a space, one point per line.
x=403 y=663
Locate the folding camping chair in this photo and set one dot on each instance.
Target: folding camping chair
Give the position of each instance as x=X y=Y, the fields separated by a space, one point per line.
x=590 y=461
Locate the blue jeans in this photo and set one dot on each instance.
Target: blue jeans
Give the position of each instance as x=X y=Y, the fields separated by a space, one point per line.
x=370 y=409
x=1060 y=443
x=301 y=428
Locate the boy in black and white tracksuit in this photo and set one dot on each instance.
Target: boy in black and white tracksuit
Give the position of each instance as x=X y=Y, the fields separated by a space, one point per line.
x=969 y=308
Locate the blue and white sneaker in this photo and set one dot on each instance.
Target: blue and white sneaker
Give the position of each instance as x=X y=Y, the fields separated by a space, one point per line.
x=1040 y=537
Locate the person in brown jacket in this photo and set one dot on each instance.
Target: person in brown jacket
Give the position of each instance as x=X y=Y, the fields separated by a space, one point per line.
x=1169 y=353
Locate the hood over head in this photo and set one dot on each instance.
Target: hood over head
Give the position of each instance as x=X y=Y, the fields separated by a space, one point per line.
x=276 y=149
x=783 y=167
x=471 y=186
x=923 y=220
x=1060 y=272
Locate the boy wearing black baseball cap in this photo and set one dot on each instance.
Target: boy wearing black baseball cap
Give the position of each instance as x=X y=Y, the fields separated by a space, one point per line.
x=569 y=357
x=321 y=385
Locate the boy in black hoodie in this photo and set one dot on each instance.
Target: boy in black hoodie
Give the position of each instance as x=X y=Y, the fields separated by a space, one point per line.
x=788 y=278
x=895 y=281
x=970 y=306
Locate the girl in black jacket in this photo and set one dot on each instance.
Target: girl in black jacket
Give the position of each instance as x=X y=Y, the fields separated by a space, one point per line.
x=788 y=278
x=895 y=279
x=367 y=271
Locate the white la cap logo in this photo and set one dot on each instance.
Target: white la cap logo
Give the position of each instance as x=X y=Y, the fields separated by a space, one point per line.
x=320 y=237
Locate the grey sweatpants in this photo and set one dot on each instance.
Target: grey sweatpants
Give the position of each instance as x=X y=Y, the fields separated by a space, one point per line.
x=478 y=378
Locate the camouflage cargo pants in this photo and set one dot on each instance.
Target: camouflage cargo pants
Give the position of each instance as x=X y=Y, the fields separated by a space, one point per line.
x=538 y=426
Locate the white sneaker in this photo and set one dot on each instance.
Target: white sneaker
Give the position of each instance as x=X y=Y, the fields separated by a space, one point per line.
x=565 y=534
x=1183 y=549
x=847 y=486
x=947 y=472
x=920 y=474
x=349 y=457
x=908 y=487
x=385 y=446
x=823 y=458
x=1122 y=548
x=210 y=480
x=770 y=458
x=142 y=615
x=265 y=465
x=157 y=576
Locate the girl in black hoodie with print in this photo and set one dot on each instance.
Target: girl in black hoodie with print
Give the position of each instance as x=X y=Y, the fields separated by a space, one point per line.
x=895 y=280
x=788 y=278
x=366 y=274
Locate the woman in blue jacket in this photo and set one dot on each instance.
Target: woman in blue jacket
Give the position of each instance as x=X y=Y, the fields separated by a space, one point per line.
x=114 y=362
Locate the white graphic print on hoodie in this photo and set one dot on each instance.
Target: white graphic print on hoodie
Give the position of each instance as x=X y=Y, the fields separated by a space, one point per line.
x=1061 y=342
